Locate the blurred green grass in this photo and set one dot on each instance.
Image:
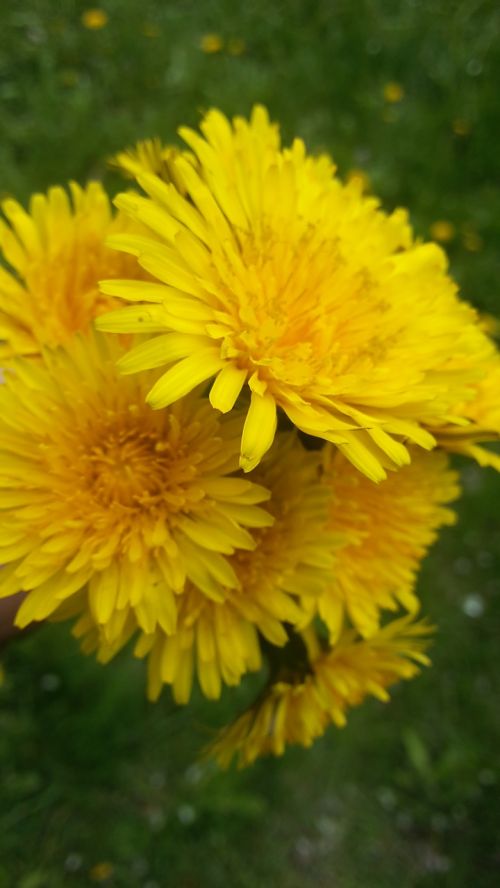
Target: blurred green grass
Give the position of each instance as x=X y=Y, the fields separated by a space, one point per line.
x=90 y=774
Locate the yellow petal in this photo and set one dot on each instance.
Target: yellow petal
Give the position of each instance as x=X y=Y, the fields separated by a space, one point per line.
x=227 y=387
x=235 y=488
x=134 y=291
x=396 y=451
x=157 y=352
x=361 y=457
x=210 y=681
x=103 y=589
x=183 y=681
x=133 y=319
x=259 y=430
x=184 y=377
x=252 y=516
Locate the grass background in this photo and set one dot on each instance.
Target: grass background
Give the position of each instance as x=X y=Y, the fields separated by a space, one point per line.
x=96 y=785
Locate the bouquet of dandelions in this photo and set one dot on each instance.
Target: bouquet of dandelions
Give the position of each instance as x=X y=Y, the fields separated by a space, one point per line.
x=225 y=424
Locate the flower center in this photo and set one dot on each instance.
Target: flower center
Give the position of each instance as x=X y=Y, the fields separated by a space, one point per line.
x=130 y=468
x=290 y=301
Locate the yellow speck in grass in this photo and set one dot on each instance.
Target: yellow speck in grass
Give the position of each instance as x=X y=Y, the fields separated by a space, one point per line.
x=236 y=46
x=442 y=231
x=101 y=872
x=211 y=44
x=296 y=289
x=360 y=179
x=393 y=92
x=461 y=127
x=95 y=19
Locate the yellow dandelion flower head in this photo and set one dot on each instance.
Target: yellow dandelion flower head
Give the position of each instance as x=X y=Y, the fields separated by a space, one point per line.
x=104 y=495
x=257 y=590
x=55 y=255
x=388 y=528
x=481 y=421
x=297 y=710
x=95 y=19
x=151 y=156
x=301 y=287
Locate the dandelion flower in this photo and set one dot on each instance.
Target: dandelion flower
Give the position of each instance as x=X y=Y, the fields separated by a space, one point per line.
x=285 y=279
x=107 y=501
x=55 y=255
x=217 y=638
x=297 y=708
x=388 y=528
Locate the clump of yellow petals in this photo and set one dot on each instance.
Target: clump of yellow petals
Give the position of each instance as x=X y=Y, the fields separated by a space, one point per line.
x=297 y=709
x=280 y=277
x=151 y=156
x=217 y=638
x=108 y=504
x=213 y=641
x=481 y=415
x=55 y=254
x=384 y=531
